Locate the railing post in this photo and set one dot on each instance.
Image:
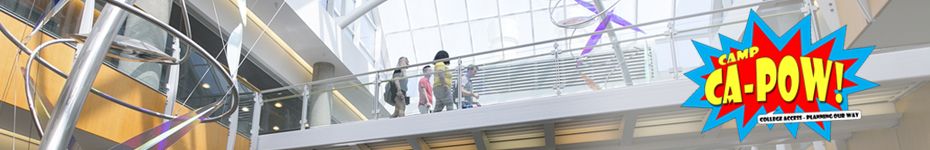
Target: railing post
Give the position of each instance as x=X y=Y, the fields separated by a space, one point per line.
x=671 y=32
x=305 y=99
x=558 y=75
x=233 y=128
x=376 y=103
x=74 y=93
x=174 y=73
x=458 y=83
x=256 y=118
x=808 y=8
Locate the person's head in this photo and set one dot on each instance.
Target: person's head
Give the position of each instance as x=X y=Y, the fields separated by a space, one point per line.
x=442 y=54
x=402 y=62
x=427 y=70
x=471 y=70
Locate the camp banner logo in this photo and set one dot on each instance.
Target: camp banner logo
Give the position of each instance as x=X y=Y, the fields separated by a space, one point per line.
x=769 y=79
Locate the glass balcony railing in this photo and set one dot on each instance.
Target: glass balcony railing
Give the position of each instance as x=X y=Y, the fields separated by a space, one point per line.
x=546 y=68
x=66 y=22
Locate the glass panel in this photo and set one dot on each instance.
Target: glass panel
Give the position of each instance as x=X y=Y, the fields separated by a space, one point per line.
x=327 y=103
x=350 y=6
x=455 y=40
x=201 y=83
x=481 y=8
x=394 y=16
x=66 y=22
x=653 y=10
x=451 y=11
x=543 y=29
x=246 y=104
x=486 y=35
x=367 y=34
x=151 y=74
x=422 y=13
x=517 y=30
x=281 y=112
x=427 y=43
x=338 y=6
x=399 y=44
x=514 y=6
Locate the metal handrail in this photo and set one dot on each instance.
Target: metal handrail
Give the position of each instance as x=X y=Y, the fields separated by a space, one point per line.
x=524 y=45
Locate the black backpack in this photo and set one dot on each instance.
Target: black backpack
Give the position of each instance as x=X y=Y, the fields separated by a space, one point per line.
x=390 y=91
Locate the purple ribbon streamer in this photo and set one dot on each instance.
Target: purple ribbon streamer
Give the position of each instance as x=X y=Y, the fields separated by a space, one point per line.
x=611 y=17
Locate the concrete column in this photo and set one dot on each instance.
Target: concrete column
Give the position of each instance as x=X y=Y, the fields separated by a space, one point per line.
x=321 y=103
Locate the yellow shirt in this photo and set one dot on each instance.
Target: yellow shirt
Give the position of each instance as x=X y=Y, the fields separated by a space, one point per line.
x=441 y=67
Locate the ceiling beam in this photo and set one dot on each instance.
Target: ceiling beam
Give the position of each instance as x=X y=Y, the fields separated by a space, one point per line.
x=481 y=140
x=840 y=144
x=627 y=127
x=359 y=147
x=907 y=91
x=712 y=133
x=549 y=129
x=417 y=144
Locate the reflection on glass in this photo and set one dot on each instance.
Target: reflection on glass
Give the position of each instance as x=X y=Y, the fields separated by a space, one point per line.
x=281 y=115
x=66 y=22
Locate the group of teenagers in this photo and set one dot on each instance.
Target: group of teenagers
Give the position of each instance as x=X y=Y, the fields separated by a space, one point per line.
x=442 y=88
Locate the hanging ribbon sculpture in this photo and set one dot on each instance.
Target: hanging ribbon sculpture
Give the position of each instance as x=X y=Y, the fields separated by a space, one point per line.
x=611 y=17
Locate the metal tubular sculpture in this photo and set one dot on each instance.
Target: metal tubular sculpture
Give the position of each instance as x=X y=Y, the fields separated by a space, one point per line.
x=139 y=51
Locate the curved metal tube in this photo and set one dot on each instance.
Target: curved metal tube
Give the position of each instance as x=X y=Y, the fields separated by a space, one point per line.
x=30 y=89
x=92 y=90
x=234 y=90
x=187 y=28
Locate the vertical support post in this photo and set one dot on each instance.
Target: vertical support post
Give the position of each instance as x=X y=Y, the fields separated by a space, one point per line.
x=549 y=135
x=256 y=118
x=671 y=42
x=558 y=70
x=417 y=144
x=83 y=73
x=233 y=127
x=629 y=125
x=376 y=109
x=174 y=73
x=305 y=99
x=458 y=87
x=809 y=9
x=481 y=140
x=616 y=46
